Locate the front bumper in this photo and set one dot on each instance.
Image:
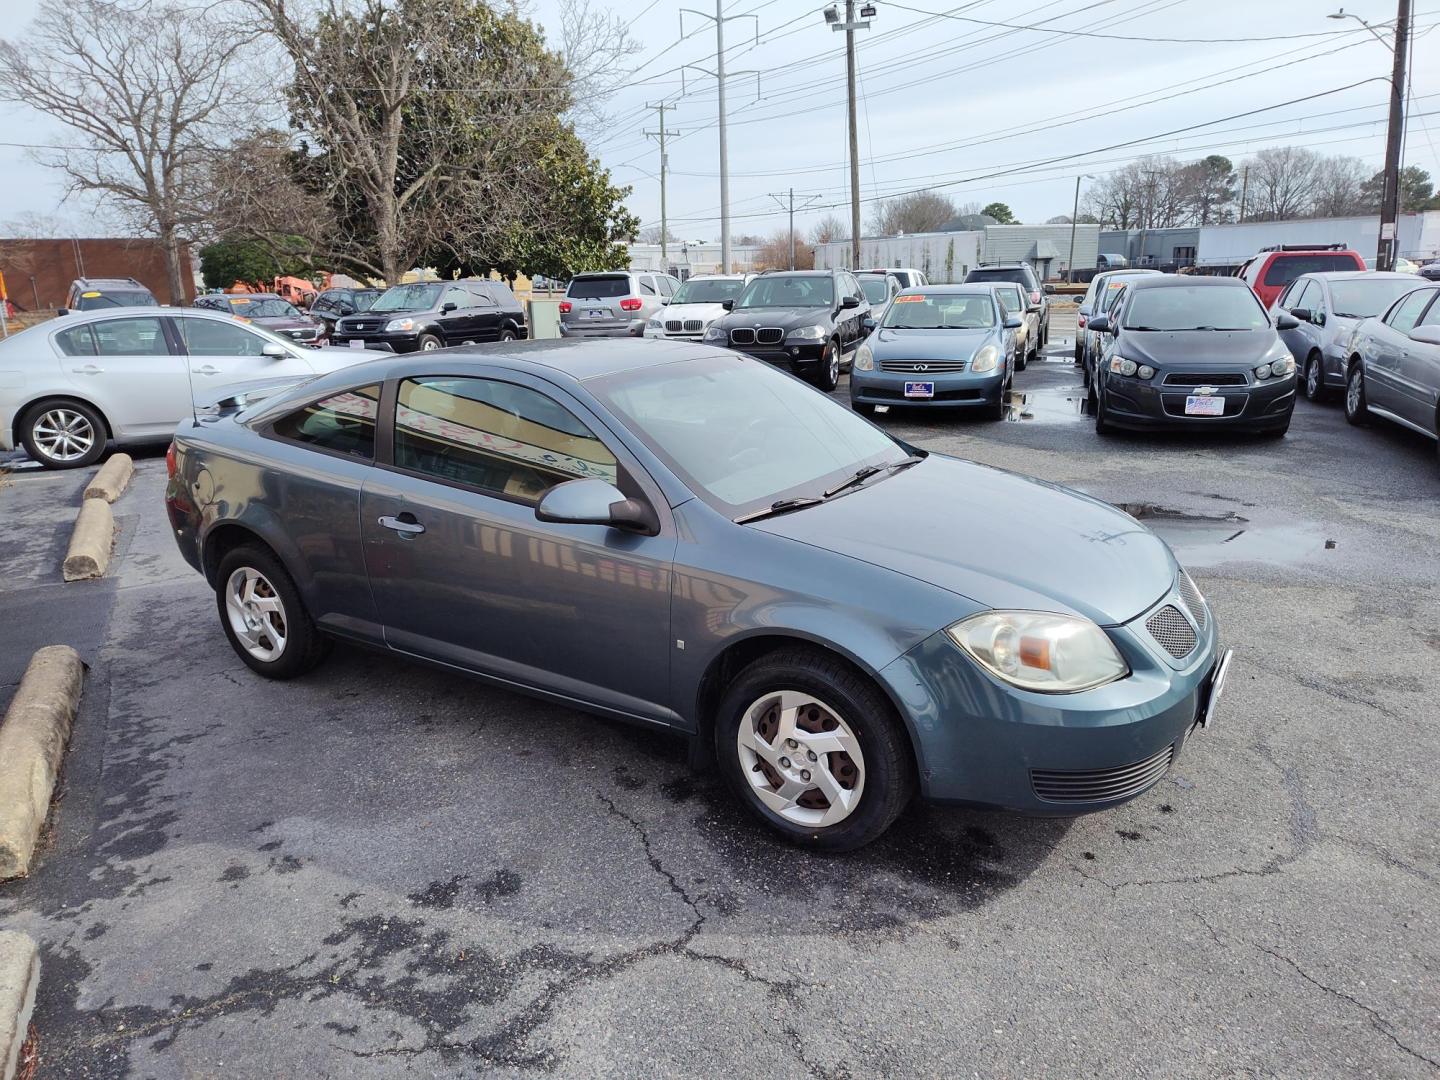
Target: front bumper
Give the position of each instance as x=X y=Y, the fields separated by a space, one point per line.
x=1256 y=406
x=958 y=390
x=793 y=355
x=984 y=743
x=378 y=339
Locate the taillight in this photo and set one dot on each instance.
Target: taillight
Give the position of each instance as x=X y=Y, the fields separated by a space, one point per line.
x=564 y=307
x=1082 y=322
x=630 y=304
x=170 y=461
x=1034 y=297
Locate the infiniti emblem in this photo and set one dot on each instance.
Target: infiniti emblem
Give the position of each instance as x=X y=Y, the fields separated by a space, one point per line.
x=922 y=367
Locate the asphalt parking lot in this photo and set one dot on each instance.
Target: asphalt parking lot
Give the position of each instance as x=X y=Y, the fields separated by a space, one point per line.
x=380 y=870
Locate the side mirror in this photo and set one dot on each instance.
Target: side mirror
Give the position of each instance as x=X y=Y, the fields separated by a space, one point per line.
x=62 y=311
x=275 y=352
x=728 y=305
x=596 y=502
x=1013 y=323
x=868 y=325
x=1428 y=334
x=1286 y=321
x=1048 y=287
x=850 y=302
x=448 y=306
x=1303 y=314
x=1099 y=323
x=664 y=300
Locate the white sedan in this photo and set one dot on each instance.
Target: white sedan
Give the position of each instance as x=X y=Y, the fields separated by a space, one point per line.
x=70 y=385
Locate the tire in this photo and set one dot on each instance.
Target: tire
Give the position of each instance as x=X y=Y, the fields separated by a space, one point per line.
x=1022 y=360
x=1355 y=408
x=835 y=703
x=256 y=572
x=1315 y=378
x=827 y=372
x=507 y=334
x=429 y=343
x=997 y=410
x=1102 y=422
x=63 y=434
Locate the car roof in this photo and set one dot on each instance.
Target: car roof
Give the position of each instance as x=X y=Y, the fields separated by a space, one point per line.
x=91 y=281
x=1360 y=275
x=139 y=311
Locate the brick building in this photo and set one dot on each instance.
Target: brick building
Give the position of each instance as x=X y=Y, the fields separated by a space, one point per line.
x=38 y=273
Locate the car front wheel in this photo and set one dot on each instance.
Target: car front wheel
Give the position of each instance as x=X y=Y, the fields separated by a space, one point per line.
x=429 y=343
x=63 y=434
x=264 y=617
x=1315 y=378
x=827 y=372
x=814 y=749
x=1355 y=409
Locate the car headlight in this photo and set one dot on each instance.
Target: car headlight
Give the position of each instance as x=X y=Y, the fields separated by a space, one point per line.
x=654 y=324
x=864 y=359
x=1040 y=650
x=715 y=333
x=807 y=333
x=1282 y=367
x=1145 y=371
x=399 y=324
x=1120 y=366
x=985 y=360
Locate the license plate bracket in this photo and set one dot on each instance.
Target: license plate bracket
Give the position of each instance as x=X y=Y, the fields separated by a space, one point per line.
x=920 y=390
x=597 y=313
x=1204 y=405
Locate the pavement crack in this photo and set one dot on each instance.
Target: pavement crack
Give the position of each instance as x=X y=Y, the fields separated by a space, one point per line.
x=659 y=868
x=1377 y=1021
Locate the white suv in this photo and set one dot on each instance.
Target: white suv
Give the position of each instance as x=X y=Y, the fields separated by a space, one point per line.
x=697 y=303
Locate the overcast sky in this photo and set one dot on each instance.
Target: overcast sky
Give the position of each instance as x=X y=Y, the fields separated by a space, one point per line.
x=946 y=102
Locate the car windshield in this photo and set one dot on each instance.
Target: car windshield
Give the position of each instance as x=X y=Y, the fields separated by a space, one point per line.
x=116 y=298
x=600 y=288
x=1195 y=307
x=741 y=434
x=877 y=289
x=1363 y=297
x=707 y=291
x=364 y=301
x=940 y=311
x=1012 y=298
x=420 y=296
x=265 y=307
x=1284 y=269
x=785 y=290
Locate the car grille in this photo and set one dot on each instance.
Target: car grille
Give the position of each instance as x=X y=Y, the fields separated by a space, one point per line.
x=1171 y=629
x=770 y=335
x=1193 y=600
x=301 y=335
x=742 y=335
x=1101 y=785
x=359 y=326
x=1210 y=378
x=688 y=326
x=922 y=367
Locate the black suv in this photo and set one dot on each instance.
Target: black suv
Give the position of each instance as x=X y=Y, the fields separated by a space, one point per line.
x=332 y=305
x=87 y=294
x=800 y=319
x=429 y=315
x=1023 y=274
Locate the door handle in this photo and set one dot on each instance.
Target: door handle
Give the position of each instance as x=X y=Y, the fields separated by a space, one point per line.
x=405 y=525
x=88 y=369
x=208 y=369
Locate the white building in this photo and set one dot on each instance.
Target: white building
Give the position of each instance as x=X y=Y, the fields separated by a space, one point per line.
x=942 y=257
x=1223 y=245
x=690 y=257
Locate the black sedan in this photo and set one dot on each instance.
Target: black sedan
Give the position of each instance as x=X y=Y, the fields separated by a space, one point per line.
x=1189 y=352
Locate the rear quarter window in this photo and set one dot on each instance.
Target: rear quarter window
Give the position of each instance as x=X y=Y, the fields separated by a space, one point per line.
x=599 y=288
x=341 y=424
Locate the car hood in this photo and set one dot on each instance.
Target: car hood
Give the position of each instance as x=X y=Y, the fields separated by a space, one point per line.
x=998 y=538
x=705 y=312
x=1198 y=349
x=928 y=344
x=786 y=318
x=286 y=322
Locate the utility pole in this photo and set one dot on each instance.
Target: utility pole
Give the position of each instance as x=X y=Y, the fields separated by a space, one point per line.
x=850 y=25
x=1074 y=215
x=1244 y=190
x=660 y=136
x=788 y=199
x=719 y=18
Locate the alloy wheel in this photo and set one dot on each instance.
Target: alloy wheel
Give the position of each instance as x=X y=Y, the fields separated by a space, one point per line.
x=63 y=434
x=832 y=372
x=1354 y=393
x=1312 y=378
x=429 y=345
x=256 y=614
x=801 y=758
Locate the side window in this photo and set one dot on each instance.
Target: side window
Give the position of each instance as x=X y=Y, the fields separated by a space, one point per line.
x=1306 y=295
x=214 y=337
x=1432 y=317
x=480 y=296
x=647 y=285
x=1117 y=305
x=493 y=436
x=1406 y=312
x=343 y=423
x=130 y=337
x=77 y=341
x=457 y=295
x=323 y=304
x=664 y=283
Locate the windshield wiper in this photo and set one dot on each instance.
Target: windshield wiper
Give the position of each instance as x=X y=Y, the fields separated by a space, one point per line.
x=1222 y=328
x=783 y=506
x=865 y=472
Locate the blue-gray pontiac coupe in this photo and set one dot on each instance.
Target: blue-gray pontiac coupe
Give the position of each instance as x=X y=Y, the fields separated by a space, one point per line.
x=689 y=539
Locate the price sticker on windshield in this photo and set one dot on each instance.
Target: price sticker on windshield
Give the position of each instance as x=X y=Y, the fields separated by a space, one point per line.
x=916 y=299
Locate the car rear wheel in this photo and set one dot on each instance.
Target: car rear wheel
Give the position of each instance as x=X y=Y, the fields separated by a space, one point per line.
x=63 y=434
x=429 y=343
x=814 y=749
x=507 y=334
x=264 y=617
x=1355 y=409
x=1315 y=378
x=827 y=372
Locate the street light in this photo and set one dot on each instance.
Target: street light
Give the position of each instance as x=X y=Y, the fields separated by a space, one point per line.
x=1343 y=14
x=1074 y=214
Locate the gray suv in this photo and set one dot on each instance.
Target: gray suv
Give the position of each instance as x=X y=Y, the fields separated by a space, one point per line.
x=614 y=303
x=1037 y=294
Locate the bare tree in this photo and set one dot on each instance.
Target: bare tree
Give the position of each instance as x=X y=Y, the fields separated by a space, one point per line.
x=593 y=44
x=917 y=212
x=774 y=253
x=1340 y=187
x=1283 y=183
x=144 y=89
x=829 y=229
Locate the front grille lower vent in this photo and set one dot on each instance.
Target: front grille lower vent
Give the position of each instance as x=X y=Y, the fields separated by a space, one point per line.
x=1193 y=600
x=1175 y=635
x=1101 y=785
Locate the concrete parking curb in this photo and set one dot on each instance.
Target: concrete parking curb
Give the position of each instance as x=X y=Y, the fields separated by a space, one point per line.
x=19 y=976
x=32 y=744
x=89 y=554
x=110 y=482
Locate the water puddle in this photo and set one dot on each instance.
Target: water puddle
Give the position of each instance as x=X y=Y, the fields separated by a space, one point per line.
x=1212 y=539
x=1048 y=405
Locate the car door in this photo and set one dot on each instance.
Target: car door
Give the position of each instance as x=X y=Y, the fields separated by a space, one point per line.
x=463 y=571
x=1304 y=295
x=128 y=367
x=1419 y=374
x=454 y=324
x=222 y=351
x=1384 y=382
x=484 y=313
x=854 y=317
